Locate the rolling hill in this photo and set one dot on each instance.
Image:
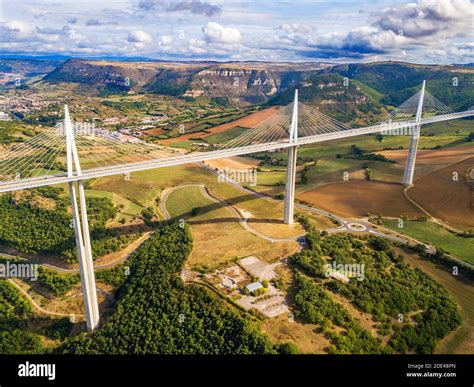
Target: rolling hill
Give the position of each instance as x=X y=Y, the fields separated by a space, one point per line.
x=368 y=88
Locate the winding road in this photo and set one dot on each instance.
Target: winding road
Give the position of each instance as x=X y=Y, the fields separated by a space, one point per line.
x=350 y=225
x=243 y=221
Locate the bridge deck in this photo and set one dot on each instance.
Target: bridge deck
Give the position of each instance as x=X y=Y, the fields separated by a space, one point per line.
x=203 y=156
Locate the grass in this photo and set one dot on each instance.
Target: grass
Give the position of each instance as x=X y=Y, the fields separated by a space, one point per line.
x=455 y=128
x=328 y=166
x=328 y=171
x=271 y=178
x=266 y=214
x=387 y=172
x=93 y=193
x=185 y=144
x=225 y=136
x=145 y=186
x=182 y=200
x=368 y=143
x=127 y=208
x=436 y=235
x=218 y=238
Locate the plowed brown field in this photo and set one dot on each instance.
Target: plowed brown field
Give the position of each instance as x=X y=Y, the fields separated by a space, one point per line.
x=432 y=156
x=246 y=122
x=357 y=198
x=449 y=200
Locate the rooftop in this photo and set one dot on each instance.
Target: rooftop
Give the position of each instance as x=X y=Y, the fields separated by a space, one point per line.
x=254 y=286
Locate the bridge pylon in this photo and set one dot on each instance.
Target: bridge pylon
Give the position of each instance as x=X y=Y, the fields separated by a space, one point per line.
x=81 y=227
x=411 y=158
x=291 y=166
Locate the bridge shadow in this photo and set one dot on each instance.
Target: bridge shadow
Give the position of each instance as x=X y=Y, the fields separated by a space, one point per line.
x=219 y=204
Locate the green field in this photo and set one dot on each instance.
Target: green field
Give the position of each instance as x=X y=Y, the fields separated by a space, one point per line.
x=181 y=202
x=217 y=235
x=386 y=171
x=456 y=128
x=145 y=186
x=436 y=235
x=271 y=178
x=127 y=208
x=225 y=136
x=329 y=166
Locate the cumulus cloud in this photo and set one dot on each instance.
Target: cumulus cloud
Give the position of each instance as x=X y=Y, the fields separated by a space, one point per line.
x=65 y=31
x=396 y=29
x=427 y=18
x=291 y=29
x=16 y=30
x=417 y=30
x=139 y=38
x=197 y=46
x=166 y=40
x=216 y=33
x=194 y=7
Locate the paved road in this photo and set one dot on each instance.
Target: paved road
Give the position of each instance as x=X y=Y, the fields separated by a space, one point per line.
x=345 y=224
x=60 y=269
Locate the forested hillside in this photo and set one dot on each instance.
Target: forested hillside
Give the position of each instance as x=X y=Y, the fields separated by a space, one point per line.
x=398 y=81
x=158 y=314
x=369 y=86
x=14 y=309
x=412 y=310
x=30 y=228
x=340 y=98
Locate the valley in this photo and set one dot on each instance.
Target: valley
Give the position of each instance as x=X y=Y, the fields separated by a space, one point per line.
x=186 y=107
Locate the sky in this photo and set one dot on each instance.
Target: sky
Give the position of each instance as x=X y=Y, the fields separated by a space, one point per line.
x=423 y=31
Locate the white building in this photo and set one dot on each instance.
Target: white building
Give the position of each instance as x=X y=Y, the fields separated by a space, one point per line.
x=254 y=286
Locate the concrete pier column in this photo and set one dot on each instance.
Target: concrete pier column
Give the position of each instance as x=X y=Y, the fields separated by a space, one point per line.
x=84 y=255
x=290 y=186
x=291 y=166
x=81 y=227
x=411 y=159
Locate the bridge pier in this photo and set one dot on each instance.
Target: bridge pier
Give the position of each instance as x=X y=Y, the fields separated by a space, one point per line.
x=290 y=186
x=81 y=228
x=411 y=158
x=84 y=255
x=291 y=166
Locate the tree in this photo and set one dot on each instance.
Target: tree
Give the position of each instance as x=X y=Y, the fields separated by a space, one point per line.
x=148 y=213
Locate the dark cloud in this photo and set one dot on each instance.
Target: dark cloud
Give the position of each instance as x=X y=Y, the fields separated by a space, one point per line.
x=72 y=20
x=195 y=7
x=95 y=22
x=53 y=31
x=349 y=50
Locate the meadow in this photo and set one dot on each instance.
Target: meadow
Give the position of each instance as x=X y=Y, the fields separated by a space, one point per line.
x=436 y=235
